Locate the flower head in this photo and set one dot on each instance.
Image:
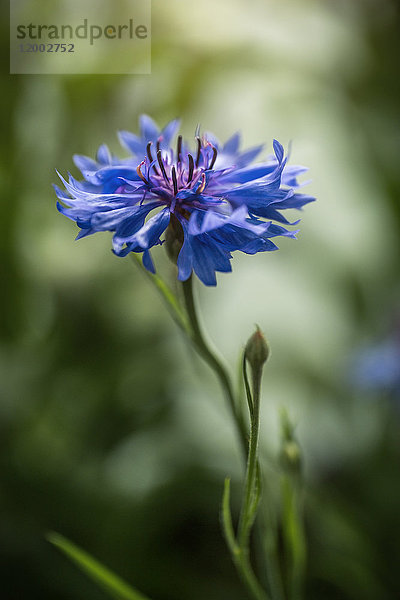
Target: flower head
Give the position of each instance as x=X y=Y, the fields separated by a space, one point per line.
x=208 y=199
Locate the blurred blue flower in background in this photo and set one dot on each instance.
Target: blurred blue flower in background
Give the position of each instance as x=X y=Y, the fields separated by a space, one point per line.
x=209 y=201
x=377 y=367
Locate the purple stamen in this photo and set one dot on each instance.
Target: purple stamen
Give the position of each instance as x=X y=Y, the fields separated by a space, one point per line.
x=202 y=185
x=179 y=149
x=139 y=172
x=198 y=151
x=160 y=162
x=174 y=181
x=151 y=157
x=214 y=158
x=191 y=168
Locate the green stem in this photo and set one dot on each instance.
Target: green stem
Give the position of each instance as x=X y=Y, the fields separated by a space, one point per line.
x=215 y=364
x=189 y=324
x=248 y=507
x=167 y=295
x=270 y=547
x=253 y=483
x=248 y=577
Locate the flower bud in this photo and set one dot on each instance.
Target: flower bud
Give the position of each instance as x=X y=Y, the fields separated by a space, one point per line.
x=290 y=457
x=256 y=351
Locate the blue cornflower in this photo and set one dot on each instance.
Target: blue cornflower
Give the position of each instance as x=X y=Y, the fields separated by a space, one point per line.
x=209 y=200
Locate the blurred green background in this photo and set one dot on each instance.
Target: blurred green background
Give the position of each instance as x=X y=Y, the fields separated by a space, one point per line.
x=112 y=432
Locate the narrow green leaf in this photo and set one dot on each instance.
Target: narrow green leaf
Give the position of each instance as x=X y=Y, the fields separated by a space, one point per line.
x=247 y=385
x=293 y=531
x=114 y=585
x=227 y=518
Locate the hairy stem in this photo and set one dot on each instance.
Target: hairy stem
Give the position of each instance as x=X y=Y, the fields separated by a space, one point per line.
x=250 y=501
x=211 y=359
